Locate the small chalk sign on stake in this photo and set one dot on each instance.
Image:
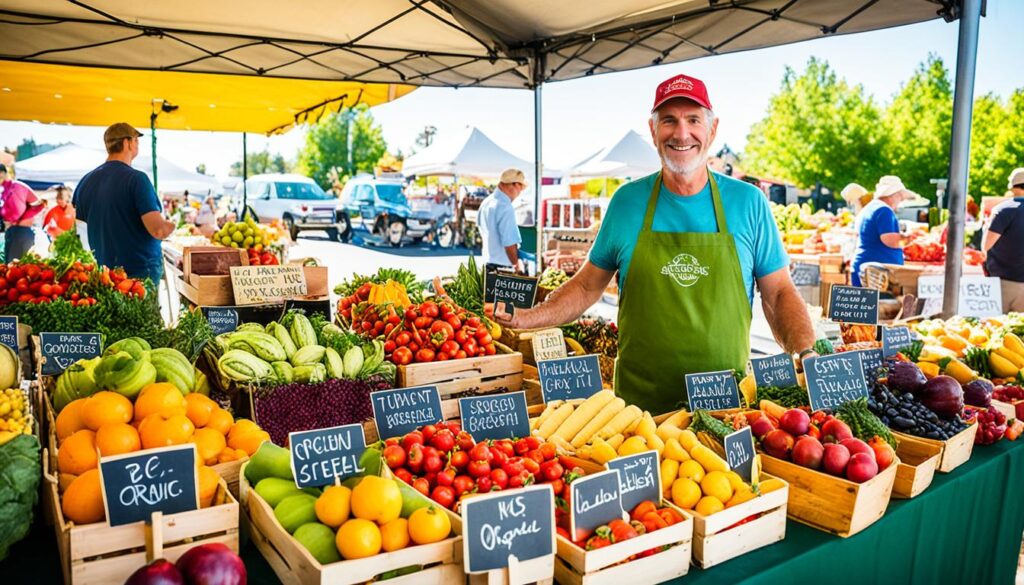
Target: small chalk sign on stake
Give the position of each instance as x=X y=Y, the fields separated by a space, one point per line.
x=595 y=501
x=548 y=344
x=833 y=380
x=497 y=416
x=401 y=410
x=135 y=485
x=518 y=523
x=712 y=390
x=853 y=304
x=774 y=371
x=739 y=452
x=518 y=291
x=872 y=361
x=639 y=478
x=221 y=319
x=571 y=377
x=9 y=331
x=60 y=350
x=321 y=455
x=895 y=340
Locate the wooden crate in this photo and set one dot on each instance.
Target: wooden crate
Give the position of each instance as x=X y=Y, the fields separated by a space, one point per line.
x=918 y=461
x=295 y=566
x=575 y=566
x=716 y=540
x=831 y=503
x=98 y=554
x=1010 y=411
x=955 y=451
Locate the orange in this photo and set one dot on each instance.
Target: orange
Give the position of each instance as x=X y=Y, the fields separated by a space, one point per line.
x=105 y=407
x=220 y=420
x=742 y=495
x=685 y=493
x=208 y=482
x=716 y=483
x=691 y=470
x=209 y=444
x=429 y=524
x=394 y=535
x=83 y=500
x=242 y=426
x=358 y=539
x=376 y=498
x=117 y=438
x=239 y=454
x=332 y=507
x=709 y=505
x=159 y=397
x=163 y=429
x=249 y=442
x=78 y=453
x=200 y=409
x=226 y=454
x=69 y=420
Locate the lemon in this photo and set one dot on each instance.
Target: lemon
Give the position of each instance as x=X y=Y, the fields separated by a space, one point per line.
x=744 y=494
x=685 y=493
x=716 y=484
x=736 y=481
x=708 y=505
x=691 y=470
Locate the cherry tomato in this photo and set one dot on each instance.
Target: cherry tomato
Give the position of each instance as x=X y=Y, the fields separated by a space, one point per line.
x=402 y=356
x=443 y=495
x=403 y=339
x=425 y=355
x=422 y=322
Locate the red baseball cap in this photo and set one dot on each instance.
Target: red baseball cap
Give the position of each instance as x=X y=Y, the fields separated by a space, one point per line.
x=682 y=86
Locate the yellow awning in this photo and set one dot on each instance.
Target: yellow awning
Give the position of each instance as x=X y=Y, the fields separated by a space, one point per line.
x=91 y=96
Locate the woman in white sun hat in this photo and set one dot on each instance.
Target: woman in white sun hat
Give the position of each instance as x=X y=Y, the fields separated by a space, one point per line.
x=878 y=228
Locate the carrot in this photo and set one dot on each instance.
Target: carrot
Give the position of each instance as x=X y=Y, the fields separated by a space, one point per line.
x=772 y=409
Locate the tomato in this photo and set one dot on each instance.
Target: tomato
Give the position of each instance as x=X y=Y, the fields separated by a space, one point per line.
x=389 y=346
x=478 y=468
x=411 y=439
x=451 y=348
x=422 y=322
x=403 y=339
x=454 y=321
x=506 y=445
x=465 y=441
x=15 y=273
x=548 y=450
x=472 y=322
x=394 y=456
x=440 y=332
x=483 y=337
x=402 y=356
x=490 y=350
x=443 y=440
x=463 y=335
x=514 y=466
x=421 y=485
x=46 y=274
x=459 y=459
x=499 y=478
x=484 y=484
x=558 y=486
x=429 y=309
x=364 y=291
x=22 y=285
x=460 y=355
x=442 y=357
x=425 y=355
x=531 y=466
x=462 y=484
x=432 y=463
x=32 y=271
x=481 y=452
x=404 y=475
x=470 y=347
x=443 y=495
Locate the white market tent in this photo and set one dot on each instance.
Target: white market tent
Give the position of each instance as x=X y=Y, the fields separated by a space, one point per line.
x=468 y=153
x=67 y=165
x=630 y=156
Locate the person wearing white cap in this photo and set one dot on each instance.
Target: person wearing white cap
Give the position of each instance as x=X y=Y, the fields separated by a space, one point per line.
x=1004 y=244
x=856 y=197
x=497 y=222
x=878 y=228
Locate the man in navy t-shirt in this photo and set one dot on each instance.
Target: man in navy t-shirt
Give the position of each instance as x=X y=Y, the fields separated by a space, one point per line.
x=121 y=211
x=1004 y=245
x=878 y=228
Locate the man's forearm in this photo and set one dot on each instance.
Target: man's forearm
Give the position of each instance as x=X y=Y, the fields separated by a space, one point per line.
x=790 y=322
x=513 y=254
x=562 y=306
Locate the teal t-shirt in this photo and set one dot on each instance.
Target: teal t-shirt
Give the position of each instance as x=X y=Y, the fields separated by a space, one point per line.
x=758 y=244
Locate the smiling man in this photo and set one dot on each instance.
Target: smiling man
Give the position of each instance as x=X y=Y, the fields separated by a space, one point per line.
x=689 y=246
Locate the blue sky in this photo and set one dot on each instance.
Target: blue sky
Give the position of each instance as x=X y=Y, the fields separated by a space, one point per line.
x=582 y=115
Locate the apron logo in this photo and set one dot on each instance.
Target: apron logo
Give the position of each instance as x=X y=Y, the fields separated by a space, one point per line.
x=685 y=270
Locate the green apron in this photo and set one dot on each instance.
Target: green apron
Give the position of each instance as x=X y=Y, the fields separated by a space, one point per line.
x=684 y=310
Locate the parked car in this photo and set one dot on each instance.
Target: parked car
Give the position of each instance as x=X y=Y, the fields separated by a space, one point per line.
x=386 y=212
x=298 y=202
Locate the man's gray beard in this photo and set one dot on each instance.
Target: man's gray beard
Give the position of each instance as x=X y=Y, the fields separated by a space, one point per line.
x=685 y=170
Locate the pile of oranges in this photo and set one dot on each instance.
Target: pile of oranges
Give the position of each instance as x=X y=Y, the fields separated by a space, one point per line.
x=107 y=424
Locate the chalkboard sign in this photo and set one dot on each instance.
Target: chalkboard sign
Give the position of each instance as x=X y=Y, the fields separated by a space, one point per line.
x=895 y=340
x=595 y=501
x=834 y=379
x=321 y=455
x=498 y=416
x=852 y=304
x=739 y=452
x=265 y=284
x=639 y=478
x=221 y=319
x=135 y=485
x=871 y=360
x=401 y=410
x=496 y=526
x=548 y=344
x=9 y=332
x=63 y=349
x=806 y=274
x=519 y=291
x=712 y=391
x=571 y=377
x=980 y=296
x=774 y=370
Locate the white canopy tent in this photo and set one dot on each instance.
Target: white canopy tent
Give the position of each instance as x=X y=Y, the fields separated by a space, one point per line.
x=630 y=156
x=468 y=153
x=67 y=164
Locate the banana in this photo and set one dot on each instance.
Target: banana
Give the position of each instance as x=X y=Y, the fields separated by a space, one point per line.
x=574 y=346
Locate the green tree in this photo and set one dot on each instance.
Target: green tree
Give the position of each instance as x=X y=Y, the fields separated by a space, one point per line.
x=817 y=128
x=327 y=145
x=918 y=125
x=259 y=163
x=997 y=143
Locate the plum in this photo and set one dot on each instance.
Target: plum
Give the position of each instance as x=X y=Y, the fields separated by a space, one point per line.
x=835 y=431
x=808 y=452
x=778 y=443
x=835 y=459
x=857 y=446
x=795 y=422
x=861 y=467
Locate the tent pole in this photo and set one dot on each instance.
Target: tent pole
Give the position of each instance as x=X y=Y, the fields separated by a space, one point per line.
x=152 y=143
x=245 y=175
x=960 y=150
x=538 y=175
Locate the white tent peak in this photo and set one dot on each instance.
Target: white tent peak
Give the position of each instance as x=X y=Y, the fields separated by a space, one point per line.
x=630 y=156
x=466 y=153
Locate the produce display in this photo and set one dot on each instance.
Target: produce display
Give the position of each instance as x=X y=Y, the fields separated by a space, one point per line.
x=402 y=278
x=20 y=472
x=205 y=564
x=992 y=425
x=930 y=247
x=15 y=416
x=250 y=236
x=552 y=278
x=645 y=517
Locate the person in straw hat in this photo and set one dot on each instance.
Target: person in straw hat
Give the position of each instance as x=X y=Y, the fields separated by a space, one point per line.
x=878 y=229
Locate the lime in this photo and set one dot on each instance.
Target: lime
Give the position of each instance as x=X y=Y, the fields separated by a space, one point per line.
x=226 y=240
x=234 y=244
x=237 y=236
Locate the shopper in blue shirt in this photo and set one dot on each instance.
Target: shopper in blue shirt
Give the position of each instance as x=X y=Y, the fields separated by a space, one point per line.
x=880 y=240
x=121 y=211
x=497 y=222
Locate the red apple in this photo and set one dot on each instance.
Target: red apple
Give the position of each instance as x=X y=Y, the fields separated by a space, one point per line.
x=159 y=572
x=861 y=468
x=857 y=446
x=212 y=564
x=761 y=426
x=835 y=459
x=778 y=443
x=834 y=431
x=808 y=452
x=795 y=422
